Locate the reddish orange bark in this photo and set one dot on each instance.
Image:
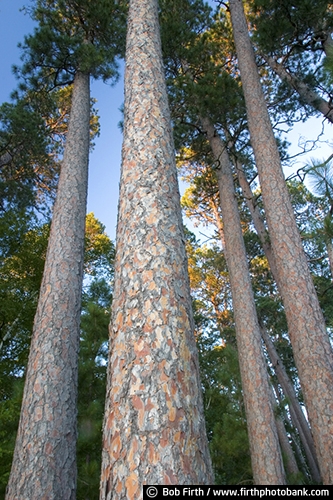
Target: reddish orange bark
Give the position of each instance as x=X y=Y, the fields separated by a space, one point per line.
x=44 y=464
x=154 y=431
x=265 y=457
x=300 y=422
x=312 y=350
x=305 y=92
x=296 y=411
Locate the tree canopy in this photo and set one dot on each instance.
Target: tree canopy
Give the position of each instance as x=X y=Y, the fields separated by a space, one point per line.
x=292 y=46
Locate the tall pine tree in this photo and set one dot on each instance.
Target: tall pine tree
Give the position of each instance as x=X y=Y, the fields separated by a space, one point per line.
x=73 y=41
x=154 y=431
x=266 y=459
x=311 y=346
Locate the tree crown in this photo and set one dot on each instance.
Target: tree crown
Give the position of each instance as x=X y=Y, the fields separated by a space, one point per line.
x=74 y=36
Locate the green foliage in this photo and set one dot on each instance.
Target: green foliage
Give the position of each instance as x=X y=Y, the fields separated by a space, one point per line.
x=200 y=72
x=10 y=407
x=70 y=36
x=299 y=41
x=182 y=22
x=225 y=413
x=22 y=129
x=92 y=387
x=33 y=133
x=21 y=272
x=301 y=23
x=99 y=249
x=25 y=163
x=74 y=36
x=22 y=251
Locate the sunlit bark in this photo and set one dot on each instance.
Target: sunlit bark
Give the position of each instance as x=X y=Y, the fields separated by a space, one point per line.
x=306 y=326
x=154 y=431
x=266 y=458
x=44 y=464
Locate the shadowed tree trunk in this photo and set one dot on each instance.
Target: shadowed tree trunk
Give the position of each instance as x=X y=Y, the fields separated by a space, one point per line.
x=283 y=378
x=44 y=464
x=264 y=444
x=307 y=95
x=154 y=431
x=258 y=222
x=329 y=248
x=287 y=451
x=309 y=339
x=289 y=459
x=295 y=407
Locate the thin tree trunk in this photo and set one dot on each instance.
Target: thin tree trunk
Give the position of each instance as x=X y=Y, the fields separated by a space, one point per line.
x=299 y=419
x=300 y=456
x=44 y=464
x=264 y=444
x=258 y=222
x=257 y=219
x=283 y=378
x=294 y=437
x=219 y=224
x=307 y=95
x=309 y=339
x=154 y=430
x=312 y=465
x=287 y=452
x=329 y=248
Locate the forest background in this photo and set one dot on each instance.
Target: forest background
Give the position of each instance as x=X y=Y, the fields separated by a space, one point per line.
x=104 y=163
x=226 y=421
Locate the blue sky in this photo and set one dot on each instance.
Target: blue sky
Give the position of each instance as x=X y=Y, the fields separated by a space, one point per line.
x=104 y=165
x=106 y=157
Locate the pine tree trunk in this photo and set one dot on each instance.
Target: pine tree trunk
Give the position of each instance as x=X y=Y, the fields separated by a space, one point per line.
x=44 y=464
x=264 y=444
x=289 y=459
x=286 y=384
x=154 y=430
x=282 y=376
x=329 y=248
x=307 y=95
x=295 y=408
x=214 y=206
x=258 y=222
x=309 y=339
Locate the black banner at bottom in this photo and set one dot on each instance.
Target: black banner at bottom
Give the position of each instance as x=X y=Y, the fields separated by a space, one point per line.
x=152 y=492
